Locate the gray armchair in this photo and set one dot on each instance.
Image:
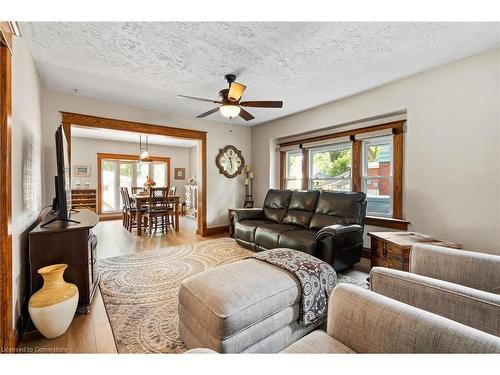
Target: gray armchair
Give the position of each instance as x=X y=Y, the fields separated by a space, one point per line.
x=460 y=285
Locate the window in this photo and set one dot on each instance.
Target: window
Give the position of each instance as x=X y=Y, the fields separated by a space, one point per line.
x=330 y=167
x=367 y=159
x=376 y=180
x=123 y=171
x=293 y=177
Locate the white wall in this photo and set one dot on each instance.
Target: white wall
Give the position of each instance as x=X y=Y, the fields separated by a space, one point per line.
x=218 y=135
x=194 y=169
x=452 y=159
x=84 y=152
x=26 y=162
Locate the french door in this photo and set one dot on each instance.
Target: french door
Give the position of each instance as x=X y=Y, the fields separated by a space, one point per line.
x=116 y=171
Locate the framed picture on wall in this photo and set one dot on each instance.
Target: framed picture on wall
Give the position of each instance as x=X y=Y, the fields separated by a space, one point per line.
x=81 y=171
x=179 y=173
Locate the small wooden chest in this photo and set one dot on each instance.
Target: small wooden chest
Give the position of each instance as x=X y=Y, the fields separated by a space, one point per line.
x=392 y=249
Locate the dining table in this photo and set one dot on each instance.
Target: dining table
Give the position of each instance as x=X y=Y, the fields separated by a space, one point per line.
x=143 y=199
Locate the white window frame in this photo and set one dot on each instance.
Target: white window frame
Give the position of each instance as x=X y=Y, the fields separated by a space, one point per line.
x=330 y=147
x=117 y=163
x=297 y=152
x=364 y=171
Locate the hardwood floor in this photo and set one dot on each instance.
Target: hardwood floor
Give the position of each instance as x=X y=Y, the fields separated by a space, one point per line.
x=91 y=333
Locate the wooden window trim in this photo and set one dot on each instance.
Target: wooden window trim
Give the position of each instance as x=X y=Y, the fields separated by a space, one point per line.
x=396 y=221
x=106 y=156
x=68 y=119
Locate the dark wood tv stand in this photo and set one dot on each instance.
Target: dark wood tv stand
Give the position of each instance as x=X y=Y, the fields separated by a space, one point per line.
x=70 y=243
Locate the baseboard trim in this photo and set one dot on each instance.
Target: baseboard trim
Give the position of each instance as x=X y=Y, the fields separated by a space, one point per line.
x=105 y=217
x=217 y=230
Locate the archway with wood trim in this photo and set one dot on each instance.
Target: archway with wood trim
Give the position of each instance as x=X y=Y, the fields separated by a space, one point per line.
x=69 y=119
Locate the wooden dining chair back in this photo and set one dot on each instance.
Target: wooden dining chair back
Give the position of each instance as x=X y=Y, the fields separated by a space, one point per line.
x=172 y=191
x=123 y=191
x=159 y=209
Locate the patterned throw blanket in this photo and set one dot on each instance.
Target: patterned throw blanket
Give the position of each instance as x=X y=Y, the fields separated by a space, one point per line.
x=316 y=277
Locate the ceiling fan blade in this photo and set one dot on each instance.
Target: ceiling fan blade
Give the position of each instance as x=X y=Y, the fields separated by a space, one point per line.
x=236 y=90
x=263 y=104
x=245 y=115
x=200 y=99
x=208 y=113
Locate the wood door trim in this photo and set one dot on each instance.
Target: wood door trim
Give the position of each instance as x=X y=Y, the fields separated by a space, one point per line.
x=69 y=119
x=107 y=156
x=131 y=126
x=7 y=341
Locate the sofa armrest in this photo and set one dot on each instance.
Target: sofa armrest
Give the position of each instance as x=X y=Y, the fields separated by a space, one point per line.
x=368 y=322
x=472 y=307
x=240 y=214
x=338 y=230
x=472 y=269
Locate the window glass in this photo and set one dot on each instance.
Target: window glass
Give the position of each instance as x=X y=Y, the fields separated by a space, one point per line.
x=108 y=185
x=142 y=174
x=293 y=178
x=330 y=168
x=159 y=174
x=377 y=175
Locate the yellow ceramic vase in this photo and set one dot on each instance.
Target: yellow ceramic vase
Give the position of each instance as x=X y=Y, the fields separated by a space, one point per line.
x=52 y=308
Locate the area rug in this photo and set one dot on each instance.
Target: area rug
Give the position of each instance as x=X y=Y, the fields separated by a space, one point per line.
x=140 y=291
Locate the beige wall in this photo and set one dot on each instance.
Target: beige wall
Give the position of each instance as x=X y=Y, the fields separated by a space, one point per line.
x=84 y=152
x=193 y=164
x=26 y=162
x=218 y=135
x=452 y=159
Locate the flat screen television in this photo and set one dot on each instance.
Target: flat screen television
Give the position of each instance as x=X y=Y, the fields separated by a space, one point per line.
x=63 y=187
x=62 y=202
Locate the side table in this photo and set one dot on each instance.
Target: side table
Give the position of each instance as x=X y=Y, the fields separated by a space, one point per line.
x=392 y=249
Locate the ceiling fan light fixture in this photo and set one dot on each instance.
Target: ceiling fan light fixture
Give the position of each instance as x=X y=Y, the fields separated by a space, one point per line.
x=229 y=110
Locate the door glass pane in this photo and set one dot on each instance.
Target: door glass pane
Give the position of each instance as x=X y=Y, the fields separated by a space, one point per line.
x=108 y=186
x=142 y=173
x=159 y=174
x=125 y=177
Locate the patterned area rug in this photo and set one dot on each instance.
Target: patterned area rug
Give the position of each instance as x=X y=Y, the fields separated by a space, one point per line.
x=140 y=291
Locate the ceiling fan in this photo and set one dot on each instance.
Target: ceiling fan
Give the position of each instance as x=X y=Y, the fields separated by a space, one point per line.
x=230 y=104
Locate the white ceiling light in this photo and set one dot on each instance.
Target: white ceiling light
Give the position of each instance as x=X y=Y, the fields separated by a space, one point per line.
x=229 y=111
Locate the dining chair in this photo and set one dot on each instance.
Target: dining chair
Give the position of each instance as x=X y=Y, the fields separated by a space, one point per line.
x=158 y=210
x=124 y=210
x=131 y=211
x=171 y=193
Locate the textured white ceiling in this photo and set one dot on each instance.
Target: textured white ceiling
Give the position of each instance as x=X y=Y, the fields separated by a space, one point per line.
x=305 y=64
x=123 y=136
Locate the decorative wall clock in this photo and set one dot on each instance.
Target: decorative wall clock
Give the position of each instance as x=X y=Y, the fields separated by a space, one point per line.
x=230 y=161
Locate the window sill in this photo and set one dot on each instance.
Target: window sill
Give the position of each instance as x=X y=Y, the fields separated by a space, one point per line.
x=387 y=222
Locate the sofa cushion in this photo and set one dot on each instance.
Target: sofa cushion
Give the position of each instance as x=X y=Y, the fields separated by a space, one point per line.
x=302 y=240
x=301 y=208
x=276 y=204
x=230 y=298
x=268 y=235
x=245 y=229
x=317 y=342
x=339 y=208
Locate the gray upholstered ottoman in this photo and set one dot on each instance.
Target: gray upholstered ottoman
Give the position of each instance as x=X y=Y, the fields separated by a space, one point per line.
x=247 y=306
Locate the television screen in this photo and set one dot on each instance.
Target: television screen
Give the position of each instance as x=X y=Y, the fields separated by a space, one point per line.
x=63 y=175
